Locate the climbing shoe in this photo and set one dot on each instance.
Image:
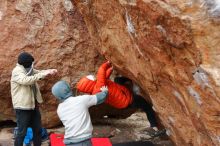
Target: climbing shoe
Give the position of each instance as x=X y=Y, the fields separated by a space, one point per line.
x=157 y=133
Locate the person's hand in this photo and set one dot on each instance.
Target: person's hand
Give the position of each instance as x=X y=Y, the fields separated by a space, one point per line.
x=53 y=71
x=109 y=63
x=50 y=72
x=104 y=89
x=112 y=68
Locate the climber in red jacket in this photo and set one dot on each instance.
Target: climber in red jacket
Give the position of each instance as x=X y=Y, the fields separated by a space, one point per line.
x=121 y=94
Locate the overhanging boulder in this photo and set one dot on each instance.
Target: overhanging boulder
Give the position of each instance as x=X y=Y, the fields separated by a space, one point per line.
x=171 y=49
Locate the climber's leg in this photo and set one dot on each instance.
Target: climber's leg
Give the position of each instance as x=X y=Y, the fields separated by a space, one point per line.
x=140 y=102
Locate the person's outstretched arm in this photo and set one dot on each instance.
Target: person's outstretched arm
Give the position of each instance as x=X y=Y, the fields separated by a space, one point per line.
x=101 y=96
x=20 y=77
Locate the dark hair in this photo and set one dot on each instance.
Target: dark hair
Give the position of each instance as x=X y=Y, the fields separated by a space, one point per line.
x=122 y=80
x=25 y=59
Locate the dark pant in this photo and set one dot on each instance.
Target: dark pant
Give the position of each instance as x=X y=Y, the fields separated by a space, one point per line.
x=140 y=102
x=25 y=119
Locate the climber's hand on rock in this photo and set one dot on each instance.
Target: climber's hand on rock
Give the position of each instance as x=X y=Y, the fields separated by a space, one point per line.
x=109 y=64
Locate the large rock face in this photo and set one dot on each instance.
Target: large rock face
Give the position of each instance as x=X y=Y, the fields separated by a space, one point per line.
x=171 y=49
x=55 y=33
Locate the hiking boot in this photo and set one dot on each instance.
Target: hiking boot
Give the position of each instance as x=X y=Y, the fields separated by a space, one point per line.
x=15 y=131
x=44 y=134
x=148 y=130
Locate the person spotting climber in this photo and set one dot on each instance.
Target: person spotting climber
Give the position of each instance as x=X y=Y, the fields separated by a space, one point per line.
x=121 y=94
x=26 y=96
x=74 y=114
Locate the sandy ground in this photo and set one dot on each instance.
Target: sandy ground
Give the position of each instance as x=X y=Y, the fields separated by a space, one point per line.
x=118 y=130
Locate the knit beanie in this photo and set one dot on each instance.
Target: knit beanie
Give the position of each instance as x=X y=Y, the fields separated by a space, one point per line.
x=61 y=90
x=25 y=59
